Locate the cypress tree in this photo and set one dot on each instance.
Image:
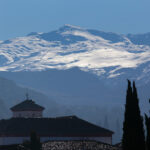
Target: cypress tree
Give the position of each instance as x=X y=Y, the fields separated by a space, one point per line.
x=126 y=140
x=138 y=122
x=147 y=123
x=133 y=131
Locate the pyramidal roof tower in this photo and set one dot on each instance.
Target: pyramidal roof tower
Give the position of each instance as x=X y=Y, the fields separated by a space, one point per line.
x=27 y=109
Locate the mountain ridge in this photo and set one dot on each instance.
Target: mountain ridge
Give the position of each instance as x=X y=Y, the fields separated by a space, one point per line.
x=71 y=46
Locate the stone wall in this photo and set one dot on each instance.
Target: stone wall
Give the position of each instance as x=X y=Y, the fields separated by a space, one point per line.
x=77 y=145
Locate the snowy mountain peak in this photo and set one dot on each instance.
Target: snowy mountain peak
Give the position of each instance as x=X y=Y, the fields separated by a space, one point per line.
x=71 y=27
x=35 y=33
x=106 y=54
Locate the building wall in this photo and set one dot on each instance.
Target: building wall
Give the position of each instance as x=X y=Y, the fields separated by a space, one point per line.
x=28 y=114
x=19 y=140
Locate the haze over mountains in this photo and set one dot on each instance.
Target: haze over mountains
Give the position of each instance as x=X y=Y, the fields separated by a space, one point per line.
x=63 y=57
x=82 y=70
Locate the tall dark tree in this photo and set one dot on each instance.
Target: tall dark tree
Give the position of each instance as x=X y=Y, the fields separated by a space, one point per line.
x=126 y=140
x=147 y=123
x=138 y=122
x=34 y=141
x=133 y=131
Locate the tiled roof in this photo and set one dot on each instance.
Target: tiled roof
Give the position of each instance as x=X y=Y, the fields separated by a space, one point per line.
x=27 y=105
x=71 y=126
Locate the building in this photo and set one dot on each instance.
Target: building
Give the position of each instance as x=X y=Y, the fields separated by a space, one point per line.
x=27 y=117
x=27 y=109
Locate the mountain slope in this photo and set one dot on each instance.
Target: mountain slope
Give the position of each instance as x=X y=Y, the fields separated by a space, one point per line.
x=11 y=94
x=102 y=53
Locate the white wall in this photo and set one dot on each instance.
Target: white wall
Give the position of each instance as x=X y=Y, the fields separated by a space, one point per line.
x=28 y=114
x=19 y=140
x=12 y=140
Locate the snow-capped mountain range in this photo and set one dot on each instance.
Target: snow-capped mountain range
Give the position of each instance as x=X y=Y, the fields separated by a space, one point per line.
x=81 y=69
x=104 y=53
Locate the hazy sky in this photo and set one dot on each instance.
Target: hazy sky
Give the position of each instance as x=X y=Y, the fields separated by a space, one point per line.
x=20 y=17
